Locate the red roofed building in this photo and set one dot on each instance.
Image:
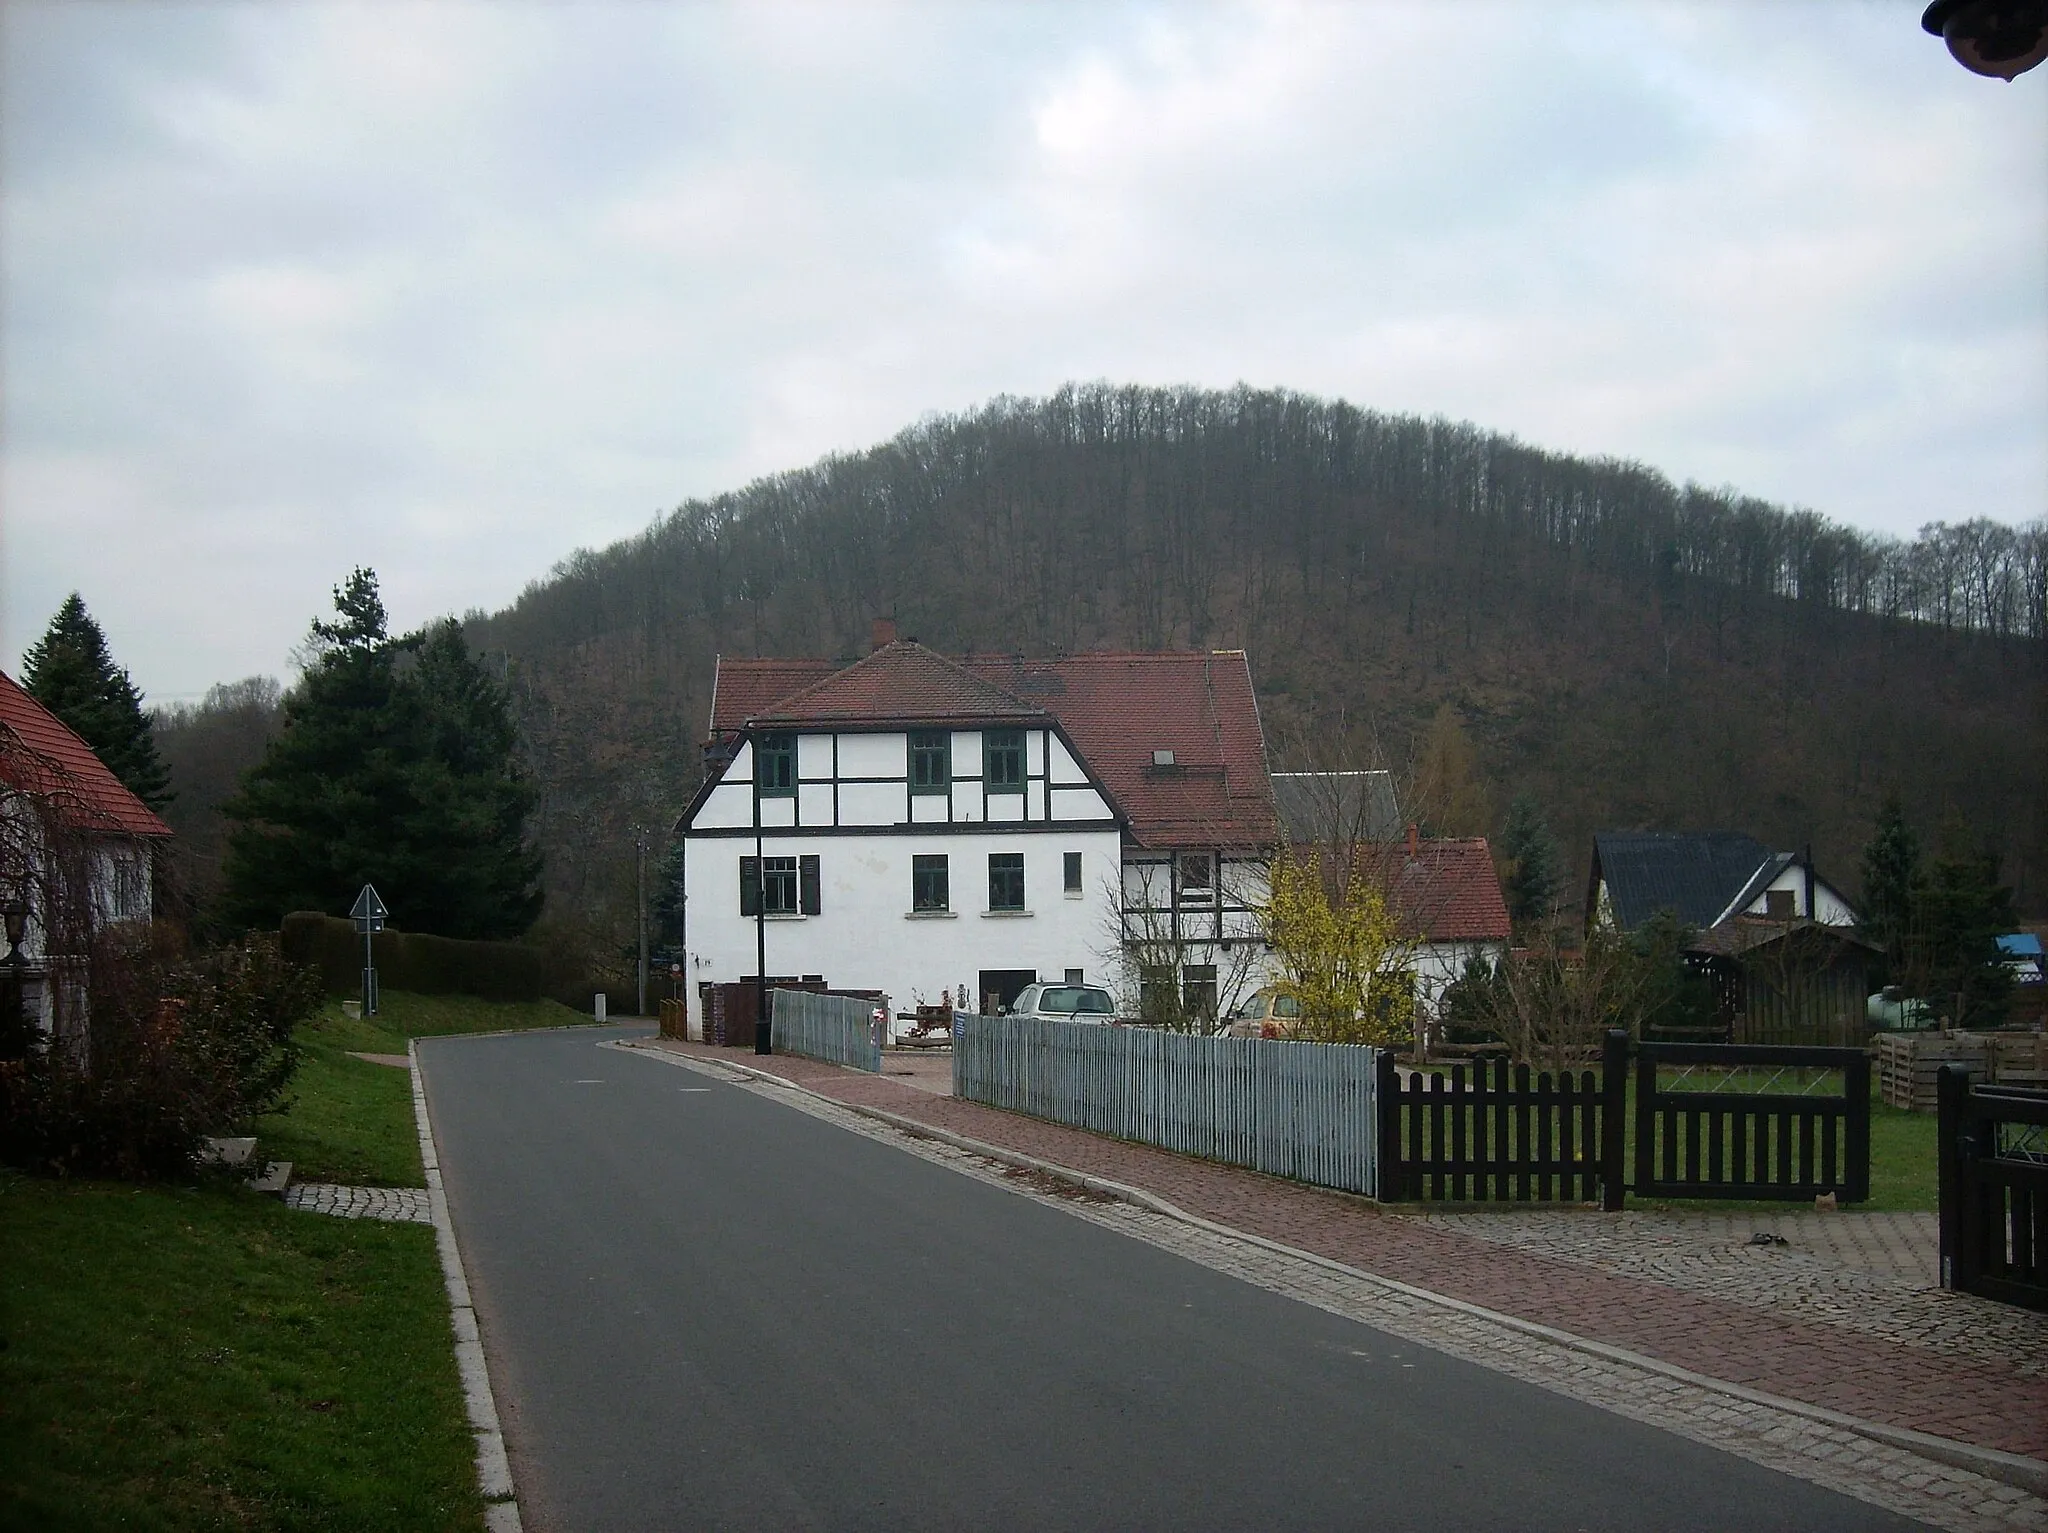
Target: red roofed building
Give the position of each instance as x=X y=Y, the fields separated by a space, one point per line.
x=936 y=828
x=1448 y=894
x=75 y=845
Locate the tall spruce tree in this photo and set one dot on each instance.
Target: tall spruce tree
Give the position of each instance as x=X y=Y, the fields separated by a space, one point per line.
x=1892 y=885
x=1962 y=912
x=395 y=766
x=71 y=672
x=1531 y=853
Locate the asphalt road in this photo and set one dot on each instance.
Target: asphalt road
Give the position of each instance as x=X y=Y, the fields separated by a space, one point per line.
x=705 y=1310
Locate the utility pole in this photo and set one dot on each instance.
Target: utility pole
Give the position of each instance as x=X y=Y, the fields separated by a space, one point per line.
x=640 y=892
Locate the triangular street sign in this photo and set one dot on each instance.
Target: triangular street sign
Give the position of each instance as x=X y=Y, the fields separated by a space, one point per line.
x=369 y=911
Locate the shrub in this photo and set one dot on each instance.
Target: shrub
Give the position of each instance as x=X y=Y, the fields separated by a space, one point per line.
x=429 y=965
x=172 y=1047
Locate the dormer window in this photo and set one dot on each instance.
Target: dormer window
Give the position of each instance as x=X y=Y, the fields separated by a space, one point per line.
x=1197 y=878
x=775 y=766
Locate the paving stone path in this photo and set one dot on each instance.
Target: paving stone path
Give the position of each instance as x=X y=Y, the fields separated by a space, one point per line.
x=1880 y=1347
x=399 y=1205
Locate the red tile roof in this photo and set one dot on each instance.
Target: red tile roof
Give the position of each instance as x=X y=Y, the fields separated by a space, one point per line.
x=743 y=687
x=1120 y=707
x=1450 y=892
x=1117 y=708
x=899 y=683
x=39 y=755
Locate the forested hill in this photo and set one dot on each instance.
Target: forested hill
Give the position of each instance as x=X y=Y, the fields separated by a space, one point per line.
x=1633 y=652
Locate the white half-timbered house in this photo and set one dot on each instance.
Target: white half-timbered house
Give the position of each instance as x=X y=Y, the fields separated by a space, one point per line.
x=955 y=829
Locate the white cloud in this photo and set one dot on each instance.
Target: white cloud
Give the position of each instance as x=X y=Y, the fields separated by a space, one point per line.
x=451 y=289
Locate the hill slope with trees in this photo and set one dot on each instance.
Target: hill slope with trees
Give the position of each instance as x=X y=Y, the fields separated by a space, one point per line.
x=1623 y=651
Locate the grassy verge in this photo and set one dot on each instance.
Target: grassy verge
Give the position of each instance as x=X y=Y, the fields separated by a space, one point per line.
x=204 y=1358
x=187 y=1358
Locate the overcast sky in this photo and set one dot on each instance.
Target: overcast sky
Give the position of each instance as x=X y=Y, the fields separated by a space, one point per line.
x=452 y=290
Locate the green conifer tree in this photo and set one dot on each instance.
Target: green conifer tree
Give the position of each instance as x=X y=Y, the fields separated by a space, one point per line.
x=71 y=672
x=1962 y=912
x=395 y=766
x=1532 y=858
x=1892 y=884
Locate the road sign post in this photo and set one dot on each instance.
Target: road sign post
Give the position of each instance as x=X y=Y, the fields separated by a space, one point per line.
x=369 y=914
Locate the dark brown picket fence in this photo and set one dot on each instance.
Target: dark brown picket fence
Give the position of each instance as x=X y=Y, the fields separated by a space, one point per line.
x=1786 y=1130
x=1994 y=1189
x=1500 y=1133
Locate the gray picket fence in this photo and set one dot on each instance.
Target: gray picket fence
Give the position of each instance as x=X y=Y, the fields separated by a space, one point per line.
x=1309 y=1111
x=839 y=1029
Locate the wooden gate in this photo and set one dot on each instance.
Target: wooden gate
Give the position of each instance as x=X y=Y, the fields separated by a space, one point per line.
x=1503 y=1135
x=1994 y=1189
x=1751 y=1121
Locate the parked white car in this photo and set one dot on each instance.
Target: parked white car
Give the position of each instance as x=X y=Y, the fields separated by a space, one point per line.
x=1065 y=1003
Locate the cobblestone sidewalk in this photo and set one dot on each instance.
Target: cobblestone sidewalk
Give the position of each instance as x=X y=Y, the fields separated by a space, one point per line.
x=1879 y=1474
x=1879 y=1348
x=399 y=1205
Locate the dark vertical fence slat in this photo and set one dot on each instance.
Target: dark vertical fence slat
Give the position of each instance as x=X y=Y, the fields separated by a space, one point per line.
x=1568 y=1104
x=1994 y=1199
x=1614 y=1088
x=1856 y=1142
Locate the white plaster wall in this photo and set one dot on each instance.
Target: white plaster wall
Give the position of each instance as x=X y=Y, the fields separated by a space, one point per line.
x=1065 y=769
x=1437 y=965
x=1082 y=803
x=814 y=803
x=814 y=758
x=1832 y=910
x=869 y=803
x=864 y=938
x=873 y=756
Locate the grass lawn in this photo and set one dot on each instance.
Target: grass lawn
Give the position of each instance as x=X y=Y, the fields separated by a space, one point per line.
x=204 y=1358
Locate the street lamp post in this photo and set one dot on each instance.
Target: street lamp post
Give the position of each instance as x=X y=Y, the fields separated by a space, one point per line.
x=14 y=1036
x=1998 y=38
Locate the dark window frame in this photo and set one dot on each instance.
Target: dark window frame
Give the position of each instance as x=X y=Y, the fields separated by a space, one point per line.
x=1006 y=881
x=775 y=766
x=1070 y=872
x=925 y=867
x=930 y=763
x=781 y=886
x=1002 y=760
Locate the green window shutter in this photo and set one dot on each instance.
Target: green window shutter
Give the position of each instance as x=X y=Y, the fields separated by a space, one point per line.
x=750 y=886
x=810 y=894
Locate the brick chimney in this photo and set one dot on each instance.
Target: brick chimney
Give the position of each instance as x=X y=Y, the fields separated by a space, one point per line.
x=884 y=632
x=1414 y=842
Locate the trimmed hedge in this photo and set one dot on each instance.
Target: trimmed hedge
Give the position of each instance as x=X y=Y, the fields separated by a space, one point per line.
x=427 y=965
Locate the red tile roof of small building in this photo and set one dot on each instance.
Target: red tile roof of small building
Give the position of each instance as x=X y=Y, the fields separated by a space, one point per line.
x=39 y=754
x=1117 y=708
x=1450 y=891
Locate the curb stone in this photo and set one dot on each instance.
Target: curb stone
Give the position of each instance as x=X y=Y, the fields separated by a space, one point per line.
x=2012 y=1469
x=493 y=1468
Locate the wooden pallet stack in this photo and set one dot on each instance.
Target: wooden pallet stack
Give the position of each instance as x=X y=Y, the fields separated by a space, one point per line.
x=1907 y=1063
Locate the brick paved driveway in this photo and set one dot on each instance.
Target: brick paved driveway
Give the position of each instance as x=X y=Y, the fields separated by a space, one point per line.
x=1933 y=1362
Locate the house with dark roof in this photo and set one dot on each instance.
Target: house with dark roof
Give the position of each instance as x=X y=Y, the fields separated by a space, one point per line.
x=940 y=827
x=1778 y=941
x=78 y=852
